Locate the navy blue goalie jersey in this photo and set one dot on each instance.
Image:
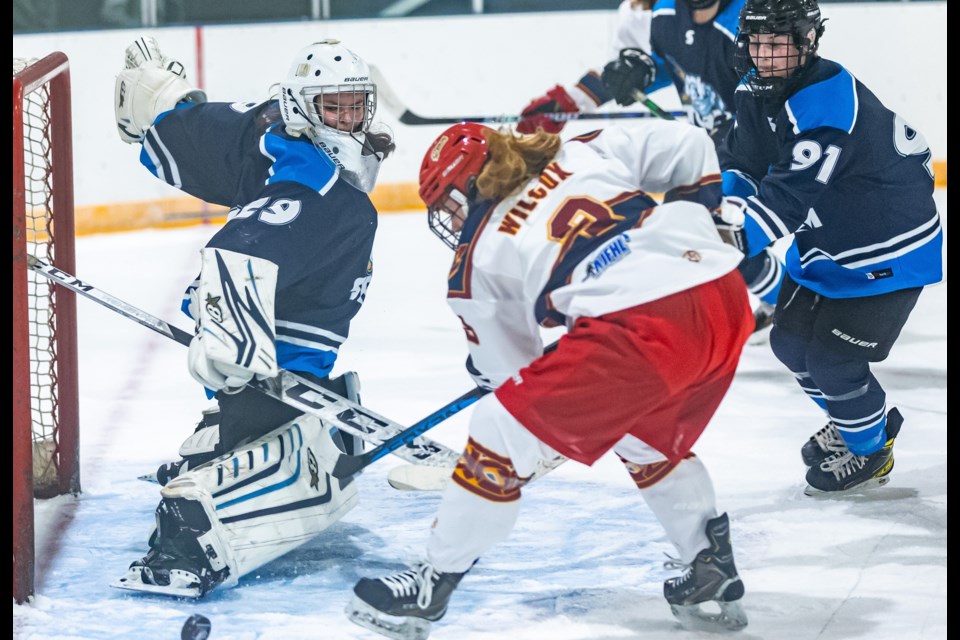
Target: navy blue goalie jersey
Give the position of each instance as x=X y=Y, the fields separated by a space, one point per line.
x=851 y=180
x=287 y=205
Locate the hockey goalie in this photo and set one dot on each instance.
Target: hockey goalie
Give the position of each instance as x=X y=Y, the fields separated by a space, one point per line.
x=279 y=284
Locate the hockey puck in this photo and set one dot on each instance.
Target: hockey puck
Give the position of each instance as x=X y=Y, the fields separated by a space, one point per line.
x=197 y=627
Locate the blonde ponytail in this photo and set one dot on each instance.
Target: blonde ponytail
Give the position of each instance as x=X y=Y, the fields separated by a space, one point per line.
x=513 y=161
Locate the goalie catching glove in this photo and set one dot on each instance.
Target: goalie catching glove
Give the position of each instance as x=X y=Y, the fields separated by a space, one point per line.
x=234 y=310
x=150 y=84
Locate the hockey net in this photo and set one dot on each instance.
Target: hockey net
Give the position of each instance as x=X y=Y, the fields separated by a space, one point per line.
x=45 y=405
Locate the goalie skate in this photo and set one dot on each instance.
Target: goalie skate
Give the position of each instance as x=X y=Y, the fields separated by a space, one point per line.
x=179 y=561
x=182 y=584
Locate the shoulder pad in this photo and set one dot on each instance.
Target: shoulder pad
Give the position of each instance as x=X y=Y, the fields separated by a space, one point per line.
x=832 y=102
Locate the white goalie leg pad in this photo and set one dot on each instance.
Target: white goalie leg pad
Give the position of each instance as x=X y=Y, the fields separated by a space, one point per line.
x=236 y=311
x=683 y=499
x=267 y=498
x=203 y=440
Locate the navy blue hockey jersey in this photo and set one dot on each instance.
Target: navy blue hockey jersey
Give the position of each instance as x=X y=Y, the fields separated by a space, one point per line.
x=287 y=205
x=850 y=179
x=696 y=58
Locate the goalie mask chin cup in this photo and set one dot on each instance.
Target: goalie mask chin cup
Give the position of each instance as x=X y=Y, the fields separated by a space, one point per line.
x=448 y=176
x=358 y=163
x=327 y=74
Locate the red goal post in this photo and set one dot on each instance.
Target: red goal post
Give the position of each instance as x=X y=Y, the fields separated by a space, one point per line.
x=45 y=390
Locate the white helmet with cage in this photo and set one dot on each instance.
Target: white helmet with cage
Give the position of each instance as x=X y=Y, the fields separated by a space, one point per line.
x=329 y=97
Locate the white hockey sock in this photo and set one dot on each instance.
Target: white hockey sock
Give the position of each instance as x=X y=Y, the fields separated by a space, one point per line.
x=683 y=501
x=466 y=526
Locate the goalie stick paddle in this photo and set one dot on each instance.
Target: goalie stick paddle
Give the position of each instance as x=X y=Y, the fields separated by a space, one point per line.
x=402 y=112
x=288 y=387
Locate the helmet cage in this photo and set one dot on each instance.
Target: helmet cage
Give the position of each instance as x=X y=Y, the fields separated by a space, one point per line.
x=796 y=19
x=327 y=73
x=353 y=104
x=447 y=217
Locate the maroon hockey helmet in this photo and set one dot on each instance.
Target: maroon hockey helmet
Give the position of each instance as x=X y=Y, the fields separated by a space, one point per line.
x=448 y=176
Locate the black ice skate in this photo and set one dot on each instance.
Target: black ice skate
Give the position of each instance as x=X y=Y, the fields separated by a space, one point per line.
x=403 y=605
x=846 y=471
x=822 y=445
x=177 y=563
x=712 y=577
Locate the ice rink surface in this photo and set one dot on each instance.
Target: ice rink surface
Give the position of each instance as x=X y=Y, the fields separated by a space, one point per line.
x=586 y=558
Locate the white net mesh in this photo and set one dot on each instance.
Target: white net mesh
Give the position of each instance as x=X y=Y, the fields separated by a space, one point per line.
x=42 y=296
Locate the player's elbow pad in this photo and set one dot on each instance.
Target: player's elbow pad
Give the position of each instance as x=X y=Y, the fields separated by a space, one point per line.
x=142 y=94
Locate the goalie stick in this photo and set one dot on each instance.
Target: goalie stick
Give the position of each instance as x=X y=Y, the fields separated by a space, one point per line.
x=296 y=391
x=402 y=112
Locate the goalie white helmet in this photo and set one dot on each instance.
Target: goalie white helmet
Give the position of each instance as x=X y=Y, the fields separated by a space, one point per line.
x=328 y=87
x=329 y=97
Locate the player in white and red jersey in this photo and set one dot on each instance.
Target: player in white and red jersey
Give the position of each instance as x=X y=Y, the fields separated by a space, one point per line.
x=551 y=233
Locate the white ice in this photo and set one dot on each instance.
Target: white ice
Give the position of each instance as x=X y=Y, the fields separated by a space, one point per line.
x=585 y=559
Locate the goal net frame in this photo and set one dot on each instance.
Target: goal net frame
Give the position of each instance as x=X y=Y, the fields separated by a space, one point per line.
x=45 y=389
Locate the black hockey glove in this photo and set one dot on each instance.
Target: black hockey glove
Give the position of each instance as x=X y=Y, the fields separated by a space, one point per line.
x=633 y=71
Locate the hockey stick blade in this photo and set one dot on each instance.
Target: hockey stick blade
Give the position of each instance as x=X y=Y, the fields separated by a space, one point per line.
x=287 y=387
x=347 y=466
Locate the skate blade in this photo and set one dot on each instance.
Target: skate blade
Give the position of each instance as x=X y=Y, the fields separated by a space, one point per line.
x=731 y=617
x=150 y=477
x=396 y=627
x=872 y=483
x=185 y=589
x=409 y=477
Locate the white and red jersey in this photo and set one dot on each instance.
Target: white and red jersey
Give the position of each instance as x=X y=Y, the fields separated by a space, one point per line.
x=586 y=238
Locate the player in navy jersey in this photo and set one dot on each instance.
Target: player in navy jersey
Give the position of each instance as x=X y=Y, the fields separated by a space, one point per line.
x=816 y=156
x=687 y=44
x=278 y=286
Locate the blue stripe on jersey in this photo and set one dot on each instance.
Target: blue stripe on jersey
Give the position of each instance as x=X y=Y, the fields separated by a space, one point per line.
x=669 y=5
x=303 y=359
x=830 y=103
x=737 y=183
x=154 y=155
x=593 y=86
x=918 y=268
x=728 y=20
x=663 y=78
x=297 y=161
